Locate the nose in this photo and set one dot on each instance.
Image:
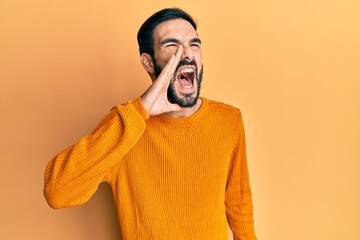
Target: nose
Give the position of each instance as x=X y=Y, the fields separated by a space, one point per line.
x=187 y=52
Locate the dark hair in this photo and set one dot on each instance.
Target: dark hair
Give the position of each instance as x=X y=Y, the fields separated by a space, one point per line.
x=145 y=36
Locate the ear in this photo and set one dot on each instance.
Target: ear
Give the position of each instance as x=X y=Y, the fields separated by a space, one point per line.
x=147 y=62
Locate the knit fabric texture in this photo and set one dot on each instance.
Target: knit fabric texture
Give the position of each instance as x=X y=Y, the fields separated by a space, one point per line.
x=172 y=178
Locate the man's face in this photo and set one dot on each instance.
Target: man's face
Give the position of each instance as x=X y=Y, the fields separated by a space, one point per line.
x=184 y=88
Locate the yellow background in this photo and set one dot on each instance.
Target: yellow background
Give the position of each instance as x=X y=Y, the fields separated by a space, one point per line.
x=291 y=66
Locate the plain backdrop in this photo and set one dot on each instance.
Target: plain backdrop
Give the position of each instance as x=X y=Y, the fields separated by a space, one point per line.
x=292 y=67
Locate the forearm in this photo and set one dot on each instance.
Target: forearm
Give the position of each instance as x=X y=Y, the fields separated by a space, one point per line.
x=238 y=199
x=73 y=176
x=239 y=210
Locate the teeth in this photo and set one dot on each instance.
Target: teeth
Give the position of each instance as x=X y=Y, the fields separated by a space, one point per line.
x=187 y=87
x=187 y=70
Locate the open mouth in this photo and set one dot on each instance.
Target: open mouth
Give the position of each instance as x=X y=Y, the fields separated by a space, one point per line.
x=185 y=76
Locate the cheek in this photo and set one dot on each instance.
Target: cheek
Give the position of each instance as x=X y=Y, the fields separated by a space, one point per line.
x=198 y=59
x=198 y=54
x=171 y=50
x=164 y=55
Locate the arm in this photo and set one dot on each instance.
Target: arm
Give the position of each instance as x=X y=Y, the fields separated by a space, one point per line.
x=238 y=201
x=73 y=176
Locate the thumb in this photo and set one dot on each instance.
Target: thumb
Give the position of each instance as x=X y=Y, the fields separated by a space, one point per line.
x=173 y=107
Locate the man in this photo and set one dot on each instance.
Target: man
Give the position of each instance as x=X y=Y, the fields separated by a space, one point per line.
x=176 y=162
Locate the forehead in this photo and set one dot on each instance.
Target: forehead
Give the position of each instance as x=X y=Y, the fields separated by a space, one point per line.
x=176 y=28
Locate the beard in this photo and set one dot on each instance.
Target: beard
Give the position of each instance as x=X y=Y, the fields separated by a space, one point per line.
x=186 y=99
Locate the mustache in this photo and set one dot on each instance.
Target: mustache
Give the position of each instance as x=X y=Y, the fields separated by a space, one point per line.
x=185 y=62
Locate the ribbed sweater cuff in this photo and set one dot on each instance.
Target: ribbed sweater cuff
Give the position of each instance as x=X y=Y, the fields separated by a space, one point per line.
x=140 y=108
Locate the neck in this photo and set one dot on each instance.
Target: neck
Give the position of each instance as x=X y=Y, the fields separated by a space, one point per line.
x=186 y=112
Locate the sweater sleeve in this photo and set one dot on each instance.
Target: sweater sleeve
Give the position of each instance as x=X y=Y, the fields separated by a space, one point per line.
x=238 y=200
x=74 y=175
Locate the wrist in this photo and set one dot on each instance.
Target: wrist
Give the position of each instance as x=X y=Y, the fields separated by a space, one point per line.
x=140 y=107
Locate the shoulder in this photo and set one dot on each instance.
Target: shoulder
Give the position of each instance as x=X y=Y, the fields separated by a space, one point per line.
x=224 y=116
x=223 y=109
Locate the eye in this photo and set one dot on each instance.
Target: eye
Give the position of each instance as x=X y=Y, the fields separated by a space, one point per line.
x=171 y=45
x=195 y=45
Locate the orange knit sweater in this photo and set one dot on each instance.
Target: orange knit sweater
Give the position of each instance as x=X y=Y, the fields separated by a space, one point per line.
x=172 y=178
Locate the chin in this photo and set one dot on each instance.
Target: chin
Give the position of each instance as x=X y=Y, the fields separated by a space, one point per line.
x=186 y=100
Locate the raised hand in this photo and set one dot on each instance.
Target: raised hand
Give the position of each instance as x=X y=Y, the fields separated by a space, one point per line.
x=155 y=98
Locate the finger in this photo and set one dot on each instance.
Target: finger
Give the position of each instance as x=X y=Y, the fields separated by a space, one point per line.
x=164 y=72
x=174 y=108
x=176 y=61
x=173 y=65
x=169 y=69
x=178 y=54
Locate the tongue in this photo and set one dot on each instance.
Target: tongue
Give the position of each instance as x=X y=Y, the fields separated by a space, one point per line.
x=183 y=82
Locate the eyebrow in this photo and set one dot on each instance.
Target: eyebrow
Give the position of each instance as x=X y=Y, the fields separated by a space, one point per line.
x=197 y=40
x=174 y=40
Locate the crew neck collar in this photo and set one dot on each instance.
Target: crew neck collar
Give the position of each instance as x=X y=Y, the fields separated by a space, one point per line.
x=197 y=115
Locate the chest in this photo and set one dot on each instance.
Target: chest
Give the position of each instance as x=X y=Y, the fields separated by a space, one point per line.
x=181 y=155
